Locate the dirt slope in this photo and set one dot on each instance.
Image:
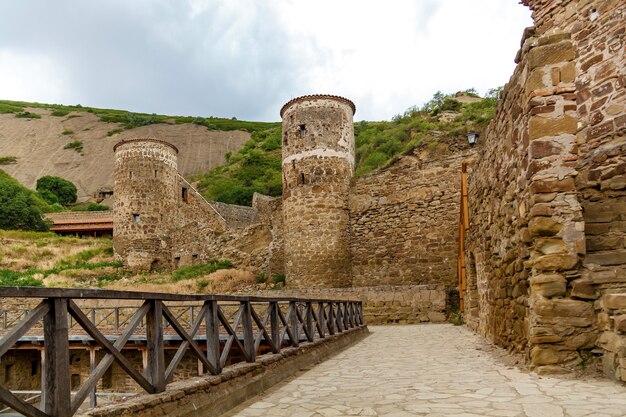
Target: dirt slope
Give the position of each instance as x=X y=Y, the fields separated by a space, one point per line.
x=38 y=145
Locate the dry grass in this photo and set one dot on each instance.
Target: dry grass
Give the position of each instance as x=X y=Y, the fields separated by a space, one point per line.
x=219 y=282
x=20 y=251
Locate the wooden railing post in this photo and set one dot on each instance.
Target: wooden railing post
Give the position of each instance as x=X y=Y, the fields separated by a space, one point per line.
x=213 y=335
x=321 y=323
x=331 y=318
x=57 y=396
x=339 y=318
x=308 y=321
x=155 y=372
x=275 y=326
x=293 y=323
x=248 y=334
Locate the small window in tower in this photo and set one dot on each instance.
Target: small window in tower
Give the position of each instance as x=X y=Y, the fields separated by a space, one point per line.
x=285 y=138
x=302 y=131
x=301 y=178
x=156 y=173
x=136 y=217
x=185 y=195
x=130 y=175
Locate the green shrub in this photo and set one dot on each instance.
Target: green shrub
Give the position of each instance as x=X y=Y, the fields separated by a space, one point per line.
x=279 y=279
x=194 y=271
x=27 y=115
x=56 y=190
x=6 y=160
x=77 y=145
x=67 y=132
x=114 y=132
x=59 y=113
x=261 y=278
x=20 y=208
x=16 y=279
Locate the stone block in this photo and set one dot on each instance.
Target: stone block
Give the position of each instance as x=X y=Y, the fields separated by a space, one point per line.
x=548 y=355
x=584 y=289
x=553 y=53
x=549 y=246
x=548 y=285
x=543 y=148
x=555 y=262
x=614 y=301
x=620 y=323
x=615 y=257
x=586 y=340
x=563 y=308
x=613 y=342
x=544 y=126
x=543 y=226
x=568 y=73
x=550 y=186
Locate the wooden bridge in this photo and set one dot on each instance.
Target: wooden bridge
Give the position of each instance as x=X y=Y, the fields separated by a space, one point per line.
x=212 y=327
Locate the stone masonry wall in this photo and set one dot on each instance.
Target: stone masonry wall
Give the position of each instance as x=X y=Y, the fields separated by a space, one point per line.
x=318 y=162
x=404 y=221
x=399 y=304
x=546 y=245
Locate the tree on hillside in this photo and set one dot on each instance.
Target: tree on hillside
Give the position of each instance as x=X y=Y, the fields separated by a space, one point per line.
x=19 y=206
x=56 y=190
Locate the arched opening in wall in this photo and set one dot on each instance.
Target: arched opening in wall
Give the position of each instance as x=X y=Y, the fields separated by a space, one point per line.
x=185 y=195
x=472 y=287
x=302 y=131
x=156 y=266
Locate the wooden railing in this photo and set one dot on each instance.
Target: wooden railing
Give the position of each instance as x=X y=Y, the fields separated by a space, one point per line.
x=244 y=322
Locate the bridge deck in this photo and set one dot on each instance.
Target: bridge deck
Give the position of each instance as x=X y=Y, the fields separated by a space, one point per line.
x=432 y=370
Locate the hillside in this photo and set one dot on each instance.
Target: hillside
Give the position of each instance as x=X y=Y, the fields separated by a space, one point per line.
x=441 y=124
x=228 y=159
x=76 y=143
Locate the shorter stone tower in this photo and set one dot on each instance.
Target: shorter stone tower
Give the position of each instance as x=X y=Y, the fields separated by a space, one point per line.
x=146 y=198
x=318 y=162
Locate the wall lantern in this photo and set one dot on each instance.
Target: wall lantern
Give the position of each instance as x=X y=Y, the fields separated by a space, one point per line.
x=472 y=137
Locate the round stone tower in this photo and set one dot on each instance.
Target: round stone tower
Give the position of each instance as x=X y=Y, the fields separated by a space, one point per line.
x=146 y=197
x=318 y=162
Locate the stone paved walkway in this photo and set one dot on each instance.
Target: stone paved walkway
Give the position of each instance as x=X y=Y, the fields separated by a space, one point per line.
x=431 y=370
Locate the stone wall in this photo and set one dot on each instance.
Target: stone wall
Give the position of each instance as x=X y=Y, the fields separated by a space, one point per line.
x=546 y=243
x=404 y=220
x=399 y=304
x=317 y=165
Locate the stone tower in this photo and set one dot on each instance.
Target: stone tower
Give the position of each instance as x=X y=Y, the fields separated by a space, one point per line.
x=146 y=197
x=318 y=162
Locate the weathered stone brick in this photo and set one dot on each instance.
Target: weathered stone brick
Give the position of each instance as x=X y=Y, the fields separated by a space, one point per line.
x=544 y=226
x=550 y=54
x=550 y=186
x=615 y=257
x=544 y=126
x=614 y=301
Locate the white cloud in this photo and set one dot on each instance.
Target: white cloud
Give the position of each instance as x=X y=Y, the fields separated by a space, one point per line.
x=32 y=77
x=245 y=58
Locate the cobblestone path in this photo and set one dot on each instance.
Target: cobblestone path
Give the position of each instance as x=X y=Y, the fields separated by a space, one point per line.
x=432 y=370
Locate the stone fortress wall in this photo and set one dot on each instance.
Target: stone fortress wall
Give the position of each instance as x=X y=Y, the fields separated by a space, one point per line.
x=546 y=248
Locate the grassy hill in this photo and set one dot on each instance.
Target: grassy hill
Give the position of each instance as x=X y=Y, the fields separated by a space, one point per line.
x=257 y=166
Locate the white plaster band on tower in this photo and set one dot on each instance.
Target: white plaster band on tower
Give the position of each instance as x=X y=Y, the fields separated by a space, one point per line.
x=160 y=155
x=320 y=153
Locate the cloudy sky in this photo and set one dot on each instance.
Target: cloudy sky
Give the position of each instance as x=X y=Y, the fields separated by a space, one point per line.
x=245 y=58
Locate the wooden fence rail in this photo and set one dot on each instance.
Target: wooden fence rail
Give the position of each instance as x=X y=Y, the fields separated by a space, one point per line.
x=244 y=322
